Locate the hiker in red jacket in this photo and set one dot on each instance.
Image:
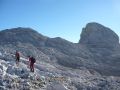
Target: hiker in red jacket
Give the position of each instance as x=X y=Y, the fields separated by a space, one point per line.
x=17 y=56
x=32 y=61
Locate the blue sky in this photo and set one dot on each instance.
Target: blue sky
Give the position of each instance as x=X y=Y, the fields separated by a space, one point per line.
x=59 y=18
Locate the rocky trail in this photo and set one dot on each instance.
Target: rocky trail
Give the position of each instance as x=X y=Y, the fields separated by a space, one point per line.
x=19 y=77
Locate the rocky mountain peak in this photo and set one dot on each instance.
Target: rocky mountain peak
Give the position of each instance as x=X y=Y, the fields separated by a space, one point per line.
x=22 y=35
x=97 y=35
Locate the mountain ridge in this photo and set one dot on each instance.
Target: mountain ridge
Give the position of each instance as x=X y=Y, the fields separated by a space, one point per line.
x=97 y=41
x=60 y=64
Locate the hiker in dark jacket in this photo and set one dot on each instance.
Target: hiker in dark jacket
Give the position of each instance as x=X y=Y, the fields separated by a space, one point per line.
x=17 y=56
x=32 y=61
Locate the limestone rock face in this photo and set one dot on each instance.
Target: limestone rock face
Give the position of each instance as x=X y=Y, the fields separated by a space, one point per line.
x=91 y=64
x=97 y=49
x=97 y=35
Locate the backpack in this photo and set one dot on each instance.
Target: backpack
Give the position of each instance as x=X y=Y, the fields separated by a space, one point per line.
x=33 y=60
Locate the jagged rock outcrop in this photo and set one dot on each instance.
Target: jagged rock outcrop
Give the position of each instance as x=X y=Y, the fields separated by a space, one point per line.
x=97 y=35
x=103 y=43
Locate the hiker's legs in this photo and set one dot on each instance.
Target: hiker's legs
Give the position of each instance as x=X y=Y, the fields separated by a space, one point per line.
x=32 y=67
x=17 y=60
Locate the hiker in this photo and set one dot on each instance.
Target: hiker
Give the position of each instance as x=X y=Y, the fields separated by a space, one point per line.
x=17 y=56
x=32 y=61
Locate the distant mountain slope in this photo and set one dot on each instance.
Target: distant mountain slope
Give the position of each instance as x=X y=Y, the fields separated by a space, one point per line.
x=22 y=35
